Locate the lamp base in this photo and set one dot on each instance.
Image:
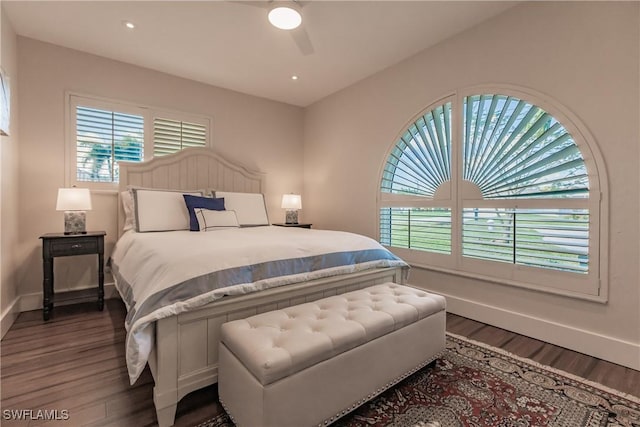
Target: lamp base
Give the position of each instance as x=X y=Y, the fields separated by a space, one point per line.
x=75 y=222
x=292 y=217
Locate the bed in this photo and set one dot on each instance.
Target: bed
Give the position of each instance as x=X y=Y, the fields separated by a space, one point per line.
x=183 y=349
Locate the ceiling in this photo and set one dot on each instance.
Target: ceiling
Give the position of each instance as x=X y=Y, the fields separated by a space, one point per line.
x=230 y=44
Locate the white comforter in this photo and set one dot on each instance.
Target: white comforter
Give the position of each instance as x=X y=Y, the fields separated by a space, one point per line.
x=166 y=273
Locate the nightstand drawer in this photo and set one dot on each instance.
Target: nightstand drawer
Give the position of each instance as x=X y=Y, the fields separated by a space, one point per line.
x=75 y=246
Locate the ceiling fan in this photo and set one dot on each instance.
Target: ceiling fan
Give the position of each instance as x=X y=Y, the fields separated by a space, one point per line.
x=286 y=15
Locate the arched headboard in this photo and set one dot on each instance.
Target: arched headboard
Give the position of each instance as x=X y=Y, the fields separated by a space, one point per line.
x=188 y=169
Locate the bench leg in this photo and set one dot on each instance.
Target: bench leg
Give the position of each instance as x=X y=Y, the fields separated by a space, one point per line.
x=166 y=416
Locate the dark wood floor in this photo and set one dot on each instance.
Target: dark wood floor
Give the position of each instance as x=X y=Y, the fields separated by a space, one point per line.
x=76 y=362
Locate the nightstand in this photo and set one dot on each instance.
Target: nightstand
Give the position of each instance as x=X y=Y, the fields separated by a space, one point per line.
x=60 y=244
x=299 y=225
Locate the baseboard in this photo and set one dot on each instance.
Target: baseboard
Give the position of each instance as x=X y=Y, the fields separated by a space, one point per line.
x=33 y=301
x=603 y=347
x=9 y=316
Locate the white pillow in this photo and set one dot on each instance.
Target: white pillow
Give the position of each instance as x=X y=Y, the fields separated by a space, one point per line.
x=250 y=208
x=161 y=210
x=127 y=204
x=212 y=220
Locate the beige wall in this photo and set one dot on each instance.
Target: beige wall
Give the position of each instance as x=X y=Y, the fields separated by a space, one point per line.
x=585 y=55
x=261 y=134
x=9 y=182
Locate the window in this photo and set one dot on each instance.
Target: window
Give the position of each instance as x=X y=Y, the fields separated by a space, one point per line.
x=493 y=185
x=103 y=133
x=103 y=138
x=170 y=136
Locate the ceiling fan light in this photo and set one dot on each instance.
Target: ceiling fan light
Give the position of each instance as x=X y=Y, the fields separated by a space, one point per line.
x=285 y=18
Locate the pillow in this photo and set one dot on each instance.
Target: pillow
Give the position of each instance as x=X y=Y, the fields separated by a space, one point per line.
x=194 y=202
x=215 y=219
x=249 y=207
x=127 y=204
x=161 y=210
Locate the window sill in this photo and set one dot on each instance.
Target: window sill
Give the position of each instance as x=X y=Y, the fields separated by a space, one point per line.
x=602 y=299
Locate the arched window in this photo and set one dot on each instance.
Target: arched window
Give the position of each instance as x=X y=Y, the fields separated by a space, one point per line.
x=493 y=185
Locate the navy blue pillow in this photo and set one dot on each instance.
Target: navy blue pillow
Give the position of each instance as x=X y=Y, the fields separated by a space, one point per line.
x=194 y=202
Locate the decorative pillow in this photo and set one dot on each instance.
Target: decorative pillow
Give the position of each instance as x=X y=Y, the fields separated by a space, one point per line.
x=250 y=208
x=194 y=202
x=214 y=219
x=161 y=210
x=127 y=204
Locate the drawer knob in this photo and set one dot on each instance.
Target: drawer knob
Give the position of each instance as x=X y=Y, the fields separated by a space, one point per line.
x=76 y=246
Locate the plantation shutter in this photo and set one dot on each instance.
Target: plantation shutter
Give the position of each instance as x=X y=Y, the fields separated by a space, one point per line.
x=421 y=159
x=422 y=229
x=419 y=165
x=524 y=187
x=103 y=138
x=545 y=238
x=513 y=149
x=170 y=136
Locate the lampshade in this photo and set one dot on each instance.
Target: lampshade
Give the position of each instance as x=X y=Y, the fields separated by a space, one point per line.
x=291 y=201
x=73 y=199
x=285 y=17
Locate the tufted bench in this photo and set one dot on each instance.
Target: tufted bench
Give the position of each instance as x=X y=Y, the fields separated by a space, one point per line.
x=309 y=364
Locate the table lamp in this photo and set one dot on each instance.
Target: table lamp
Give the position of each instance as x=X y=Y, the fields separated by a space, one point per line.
x=291 y=202
x=74 y=202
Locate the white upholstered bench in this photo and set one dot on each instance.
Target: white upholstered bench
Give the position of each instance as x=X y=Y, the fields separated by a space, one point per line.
x=310 y=364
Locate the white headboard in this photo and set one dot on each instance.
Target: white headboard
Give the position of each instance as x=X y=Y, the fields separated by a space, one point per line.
x=189 y=169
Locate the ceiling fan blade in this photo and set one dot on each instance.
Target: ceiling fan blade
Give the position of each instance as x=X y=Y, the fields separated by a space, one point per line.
x=264 y=4
x=268 y=4
x=302 y=40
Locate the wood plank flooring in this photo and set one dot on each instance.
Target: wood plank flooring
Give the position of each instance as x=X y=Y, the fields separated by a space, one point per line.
x=76 y=362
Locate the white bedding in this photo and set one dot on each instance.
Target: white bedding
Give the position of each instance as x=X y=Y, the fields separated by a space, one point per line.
x=166 y=273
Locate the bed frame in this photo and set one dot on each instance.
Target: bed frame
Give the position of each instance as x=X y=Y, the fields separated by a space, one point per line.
x=185 y=355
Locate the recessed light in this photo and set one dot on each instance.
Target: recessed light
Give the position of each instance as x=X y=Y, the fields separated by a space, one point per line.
x=130 y=25
x=294 y=77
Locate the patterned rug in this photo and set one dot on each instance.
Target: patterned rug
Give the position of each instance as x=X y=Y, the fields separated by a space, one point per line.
x=476 y=385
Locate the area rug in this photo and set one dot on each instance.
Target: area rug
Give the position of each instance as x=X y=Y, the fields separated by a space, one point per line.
x=476 y=385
